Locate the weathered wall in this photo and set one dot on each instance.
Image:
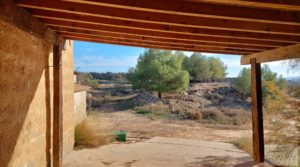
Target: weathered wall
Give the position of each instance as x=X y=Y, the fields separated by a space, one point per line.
x=24 y=98
x=68 y=97
x=79 y=106
x=26 y=92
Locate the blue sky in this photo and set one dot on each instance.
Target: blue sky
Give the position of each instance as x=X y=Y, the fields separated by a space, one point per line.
x=95 y=57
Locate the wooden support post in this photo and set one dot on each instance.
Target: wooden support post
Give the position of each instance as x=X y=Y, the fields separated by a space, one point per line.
x=257 y=112
x=57 y=106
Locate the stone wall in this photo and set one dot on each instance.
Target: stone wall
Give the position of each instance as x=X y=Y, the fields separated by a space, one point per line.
x=79 y=106
x=26 y=92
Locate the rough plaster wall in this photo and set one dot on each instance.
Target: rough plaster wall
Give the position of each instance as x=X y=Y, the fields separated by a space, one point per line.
x=79 y=106
x=68 y=97
x=24 y=98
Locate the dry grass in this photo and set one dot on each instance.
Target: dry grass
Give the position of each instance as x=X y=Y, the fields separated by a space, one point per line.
x=244 y=143
x=274 y=107
x=91 y=133
x=153 y=111
x=224 y=116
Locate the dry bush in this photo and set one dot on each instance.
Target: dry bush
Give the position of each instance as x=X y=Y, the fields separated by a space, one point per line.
x=245 y=144
x=192 y=114
x=91 y=133
x=274 y=107
x=225 y=116
x=208 y=116
x=237 y=116
x=153 y=111
x=294 y=90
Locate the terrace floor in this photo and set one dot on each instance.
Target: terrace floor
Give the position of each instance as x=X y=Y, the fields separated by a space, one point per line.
x=162 y=152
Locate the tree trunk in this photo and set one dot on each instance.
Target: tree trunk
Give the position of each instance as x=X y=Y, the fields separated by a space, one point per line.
x=159 y=95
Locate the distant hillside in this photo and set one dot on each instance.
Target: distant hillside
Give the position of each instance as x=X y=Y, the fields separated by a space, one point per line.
x=297 y=78
x=293 y=80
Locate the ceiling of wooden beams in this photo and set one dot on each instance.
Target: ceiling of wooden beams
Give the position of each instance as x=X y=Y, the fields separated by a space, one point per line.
x=218 y=26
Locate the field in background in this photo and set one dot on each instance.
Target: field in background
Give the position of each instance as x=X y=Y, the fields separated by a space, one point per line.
x=207 y=111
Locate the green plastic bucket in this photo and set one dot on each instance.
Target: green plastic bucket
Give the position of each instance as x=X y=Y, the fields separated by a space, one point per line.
x=120 y=135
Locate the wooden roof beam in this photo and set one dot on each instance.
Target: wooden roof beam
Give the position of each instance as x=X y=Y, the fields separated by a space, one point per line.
x=86 y=26
x=282 y=53
x=188 y=8
x=157 y=40
x=196 y=47
x=163 y=18
x=287 y=5
x=167 y=28
x=147 y=45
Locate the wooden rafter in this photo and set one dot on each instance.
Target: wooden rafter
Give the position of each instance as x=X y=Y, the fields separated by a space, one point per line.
x=86 y=26
x=206 y=24
x=156 y=40
x=168 y=28
x=282 y=53
x=180 y=7
x=151 y=45
x=160 y=36
x=291 y=5
x=162 y=18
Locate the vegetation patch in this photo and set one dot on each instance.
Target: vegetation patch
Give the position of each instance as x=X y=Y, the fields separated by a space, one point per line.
x=91 y=133
x=245 y=144
x=153 y=111
x=206 y=116
x=225 y=116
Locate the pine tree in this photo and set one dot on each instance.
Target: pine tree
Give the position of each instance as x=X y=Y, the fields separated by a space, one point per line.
x=159 y=70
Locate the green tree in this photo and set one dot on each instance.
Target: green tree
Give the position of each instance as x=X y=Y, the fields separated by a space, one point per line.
x=204 y=68
x=217 y=68
x=198 y=67
x=272 y=85
x=243 y=82
x=159 y=70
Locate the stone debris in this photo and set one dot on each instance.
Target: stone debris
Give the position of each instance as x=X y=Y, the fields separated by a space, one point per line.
x=207 y=95
x=144 y=98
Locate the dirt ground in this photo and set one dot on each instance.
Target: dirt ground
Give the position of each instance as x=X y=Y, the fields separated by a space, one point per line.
x=162 y=143
x=159 y=142
x=140 y=128
x=161 y=152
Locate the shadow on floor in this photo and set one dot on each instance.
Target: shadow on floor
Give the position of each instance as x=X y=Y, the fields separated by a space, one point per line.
x=227 y=161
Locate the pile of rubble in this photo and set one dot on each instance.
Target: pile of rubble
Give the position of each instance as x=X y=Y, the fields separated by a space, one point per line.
x=143 y=98
x=206 y=95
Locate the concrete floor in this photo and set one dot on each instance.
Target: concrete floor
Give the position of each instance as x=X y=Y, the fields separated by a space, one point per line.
x=161 y=152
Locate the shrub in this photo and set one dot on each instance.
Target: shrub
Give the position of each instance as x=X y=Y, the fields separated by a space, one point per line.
x=273 y=107
x=226 y=116
x=90 y=133
x=195 y=115
x=244 y=143
x=107 y=97
x=237 y=116
x=207 y=116
x=294 y=90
